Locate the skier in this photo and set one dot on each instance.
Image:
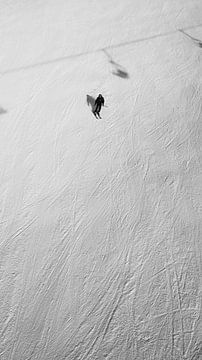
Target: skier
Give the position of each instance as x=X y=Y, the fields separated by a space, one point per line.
x=98 y=104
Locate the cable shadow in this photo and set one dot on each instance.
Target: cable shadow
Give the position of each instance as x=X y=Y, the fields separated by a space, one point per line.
x=115 y=46
x=118 y=70
x=195 y=40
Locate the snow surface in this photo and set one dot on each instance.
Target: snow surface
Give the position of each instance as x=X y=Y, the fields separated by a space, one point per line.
x=101 y=220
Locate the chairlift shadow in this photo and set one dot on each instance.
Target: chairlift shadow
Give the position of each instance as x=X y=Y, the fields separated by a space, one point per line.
x=2 y=111
x=121 y=73
x=118 y=70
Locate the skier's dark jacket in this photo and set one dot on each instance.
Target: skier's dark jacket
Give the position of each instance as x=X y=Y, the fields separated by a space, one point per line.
x=100 y=100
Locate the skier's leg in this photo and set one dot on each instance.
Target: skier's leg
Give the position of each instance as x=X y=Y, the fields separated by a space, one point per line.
x=98 y=109
x=95 y=109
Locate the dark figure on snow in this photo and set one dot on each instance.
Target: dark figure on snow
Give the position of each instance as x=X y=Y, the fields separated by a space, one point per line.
x=98 y=104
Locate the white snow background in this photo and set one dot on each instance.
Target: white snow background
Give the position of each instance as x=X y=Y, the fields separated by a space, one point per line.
x=100 y=219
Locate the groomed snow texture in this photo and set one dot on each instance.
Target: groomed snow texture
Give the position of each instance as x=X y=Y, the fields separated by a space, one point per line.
x=100 y=219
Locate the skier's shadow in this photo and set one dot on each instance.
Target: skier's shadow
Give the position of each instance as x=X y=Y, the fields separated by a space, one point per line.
x=90 y=102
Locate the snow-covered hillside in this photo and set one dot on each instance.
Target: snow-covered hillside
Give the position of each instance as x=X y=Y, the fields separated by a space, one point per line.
x=101 y=219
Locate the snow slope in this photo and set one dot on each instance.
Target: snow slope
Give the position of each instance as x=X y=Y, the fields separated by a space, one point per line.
x=101 y=220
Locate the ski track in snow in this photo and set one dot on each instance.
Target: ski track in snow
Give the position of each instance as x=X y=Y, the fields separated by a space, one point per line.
x=101 y=219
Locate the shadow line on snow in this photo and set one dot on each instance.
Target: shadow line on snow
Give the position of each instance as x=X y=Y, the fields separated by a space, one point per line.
x=64 y=58
x=195 y=40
